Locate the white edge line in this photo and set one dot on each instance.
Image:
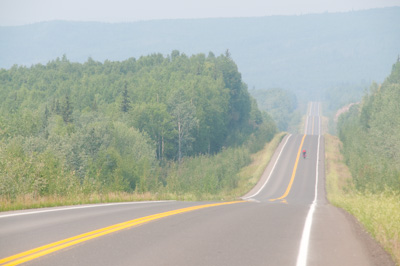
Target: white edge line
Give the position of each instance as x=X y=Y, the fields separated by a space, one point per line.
x=270 y=173
x=305 y=238
x=319 y=125
x=81 y=207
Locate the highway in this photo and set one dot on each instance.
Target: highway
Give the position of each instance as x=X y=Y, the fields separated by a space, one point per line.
x=313 y=119
x=284 y=220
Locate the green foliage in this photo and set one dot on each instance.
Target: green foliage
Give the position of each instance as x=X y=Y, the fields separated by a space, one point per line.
x=378 y=212
x=67 y=110
x=217 y=174
x=107 y=127
x=371 y=138
x=264 y=133
x=125 y=105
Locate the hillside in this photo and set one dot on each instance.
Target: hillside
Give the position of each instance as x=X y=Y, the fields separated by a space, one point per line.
x=70 y=128
x=300 y=53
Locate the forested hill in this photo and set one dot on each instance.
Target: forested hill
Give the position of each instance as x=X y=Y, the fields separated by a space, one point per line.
x=370 y=133
x=109 y=125
x=303 y=53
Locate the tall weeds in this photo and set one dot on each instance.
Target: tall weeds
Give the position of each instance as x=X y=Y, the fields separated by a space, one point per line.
x=379 y=212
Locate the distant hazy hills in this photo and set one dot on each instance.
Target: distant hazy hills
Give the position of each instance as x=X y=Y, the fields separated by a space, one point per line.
x=294 y=52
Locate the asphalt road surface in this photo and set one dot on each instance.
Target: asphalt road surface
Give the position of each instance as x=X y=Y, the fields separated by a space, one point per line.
x=284 y=220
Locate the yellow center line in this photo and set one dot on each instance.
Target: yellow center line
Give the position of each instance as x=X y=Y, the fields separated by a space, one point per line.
x=46 y=249
x=293 y=173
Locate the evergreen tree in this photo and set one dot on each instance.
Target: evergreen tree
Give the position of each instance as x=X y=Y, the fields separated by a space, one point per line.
x=45 y=122
x=67 y=110
x=126 y=103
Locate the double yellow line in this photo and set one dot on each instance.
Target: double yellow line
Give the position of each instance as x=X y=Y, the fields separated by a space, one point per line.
x=47 y=249
x=293 y=173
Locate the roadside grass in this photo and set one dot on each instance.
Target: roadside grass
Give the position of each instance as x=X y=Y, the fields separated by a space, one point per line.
x=33 y=202
x=378 y=213
x=324 y=124
x=247 y=177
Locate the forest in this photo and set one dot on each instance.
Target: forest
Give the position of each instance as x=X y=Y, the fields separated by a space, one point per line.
x=133 y=126
x=370 y=133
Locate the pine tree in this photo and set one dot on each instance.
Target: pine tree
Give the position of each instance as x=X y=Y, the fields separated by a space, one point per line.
x=67 y=110
x=126 y=103
x=45 y=122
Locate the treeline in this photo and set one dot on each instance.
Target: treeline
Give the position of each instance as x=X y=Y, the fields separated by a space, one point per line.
x=370 y=133
x=70 y=128
x=336 y=97
x=282 y=105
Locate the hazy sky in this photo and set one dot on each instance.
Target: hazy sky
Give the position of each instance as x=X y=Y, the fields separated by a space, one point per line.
x=19 y=12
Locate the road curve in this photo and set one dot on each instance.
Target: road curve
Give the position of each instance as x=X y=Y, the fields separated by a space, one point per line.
x=284 y=220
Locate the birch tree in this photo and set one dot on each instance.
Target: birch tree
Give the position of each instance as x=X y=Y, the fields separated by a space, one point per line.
x=184 y=113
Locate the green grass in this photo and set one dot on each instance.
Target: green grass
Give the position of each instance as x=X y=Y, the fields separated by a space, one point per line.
x=378 y=213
